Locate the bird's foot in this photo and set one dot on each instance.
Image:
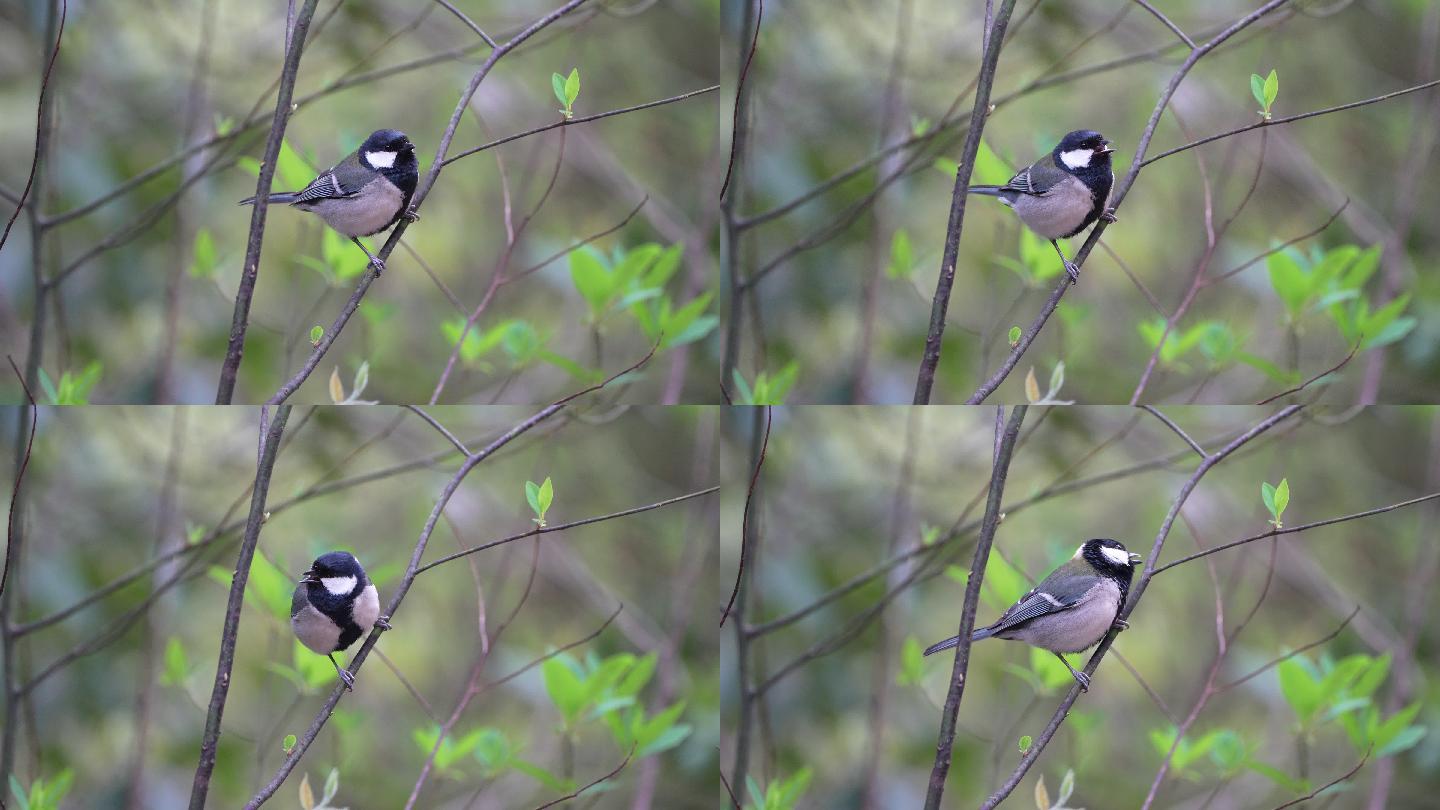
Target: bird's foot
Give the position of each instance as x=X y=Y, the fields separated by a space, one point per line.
x=348 y=679
x=383 y=623
x=1073 y=270
x=1109 y=215
x=377 y=263
x=1082 y=679
x=411 y=215
x=1121 y=624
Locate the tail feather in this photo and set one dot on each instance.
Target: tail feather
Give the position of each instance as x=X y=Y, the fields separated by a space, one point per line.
x=278 y=198
x=949 y=643
x=989 y=191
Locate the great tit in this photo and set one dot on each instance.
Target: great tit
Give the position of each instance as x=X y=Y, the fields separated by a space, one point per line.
x=1063 y=193
x=1072 y=609
x=334 y=604
x=365 y=193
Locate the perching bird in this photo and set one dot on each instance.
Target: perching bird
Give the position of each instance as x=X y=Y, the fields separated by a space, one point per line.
x=334 y=605
x=365 y=193
x=1072 y=609
x=1063 y=193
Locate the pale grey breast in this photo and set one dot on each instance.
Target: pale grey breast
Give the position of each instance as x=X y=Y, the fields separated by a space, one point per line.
x=371 y=213
x=1056 y=212
x=315 y=630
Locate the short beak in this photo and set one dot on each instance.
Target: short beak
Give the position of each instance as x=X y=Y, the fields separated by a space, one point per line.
x=1105 y=148
x=1135 y=558
x=308 y=576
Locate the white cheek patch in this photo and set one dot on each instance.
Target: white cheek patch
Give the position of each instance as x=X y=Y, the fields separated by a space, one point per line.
x=1115 y=555
x=1075 y=158
x=340 y=586
x=384 y=160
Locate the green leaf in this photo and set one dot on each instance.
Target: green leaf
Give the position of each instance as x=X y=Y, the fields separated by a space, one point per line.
x=902 y=260
x=1290 y=281
x=1267 y=495
x=912 y=663
x=317 y=333
x=204 y=261
x=1257 y=88
x=547 y=496
x=989 y=168
x=1282 y=497
x=567 y=691
x=572 y=86
x=532 y=497
x=288 y=744
x=592 y=279
x=1301 y=691
x=557 y=84
x=292 y=169
x=1279 y=777
x=1272 y=89
x=177 y=667
x=1014 y=336
x=544 y=777
x=1025 y=742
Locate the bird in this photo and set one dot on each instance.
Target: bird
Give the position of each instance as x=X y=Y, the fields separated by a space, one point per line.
x=363 y=194
x=334 y=604
x=1063 y=193
x=1072 y=609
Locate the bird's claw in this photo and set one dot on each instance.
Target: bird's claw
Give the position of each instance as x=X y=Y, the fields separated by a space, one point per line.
x=1121 y=624
x=411 y=215
x=1109 y=215
x=377 y=263
x=383 y=623
x=1073 y=270
x=1084 y=681
x=348 y=680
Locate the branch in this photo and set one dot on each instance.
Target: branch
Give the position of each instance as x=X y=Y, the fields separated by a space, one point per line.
x=539 y=530
x=39 y=127
x=1302 y=386
x=1001 y=467
x=1333 y=782
x=1288 y=119
x=231 y=632
x=1166 y=21
x=1178 y=432
x=250 y=273
x=745 y=518
x=568 y=122
x=469 y=23
x=1293 y=529
x=586 y=787
x=958 y=196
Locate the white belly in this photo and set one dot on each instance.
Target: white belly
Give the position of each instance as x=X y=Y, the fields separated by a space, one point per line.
x=369 y=212
x=1058 y=212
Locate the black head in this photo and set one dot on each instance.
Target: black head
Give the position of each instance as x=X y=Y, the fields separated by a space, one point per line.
x=335 y=565
x=390 y=152
x=1083 y=149
x=1110 y=559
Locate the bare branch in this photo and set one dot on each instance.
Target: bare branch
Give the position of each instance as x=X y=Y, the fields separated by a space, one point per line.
x=1176 y=428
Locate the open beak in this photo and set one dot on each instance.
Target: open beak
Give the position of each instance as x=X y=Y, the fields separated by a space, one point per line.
x=1135 y=558
x=1105 y=149
x=308 y=576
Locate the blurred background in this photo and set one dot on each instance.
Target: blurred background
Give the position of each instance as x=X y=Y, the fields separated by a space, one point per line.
x=123 y=685
x=850 y=710
x=147 y=318
x=849 y=273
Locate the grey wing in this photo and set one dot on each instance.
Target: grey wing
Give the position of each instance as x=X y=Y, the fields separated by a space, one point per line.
x=1039 y=603
x=1036 y=179
x=324 y=187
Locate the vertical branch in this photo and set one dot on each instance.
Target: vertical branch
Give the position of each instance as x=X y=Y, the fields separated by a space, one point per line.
x=250 y=272
x=730 y=196
x=231 y=632
x=941 y=303
x=972 y=586
x=749 y=536
x=14 y=543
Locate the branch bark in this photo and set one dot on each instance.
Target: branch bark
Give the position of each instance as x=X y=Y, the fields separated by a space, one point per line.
x=998 y=472
x=200 y=789
x=958 y=196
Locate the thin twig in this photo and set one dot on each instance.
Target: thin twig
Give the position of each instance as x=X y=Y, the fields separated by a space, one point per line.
x=745 y=519
x=39 y=127
x=1167 y=23
x=567 y=797
x=430 y=420
x=1176 y=428
x=1302 y=386
x=469 y=23
x=1332 y=783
